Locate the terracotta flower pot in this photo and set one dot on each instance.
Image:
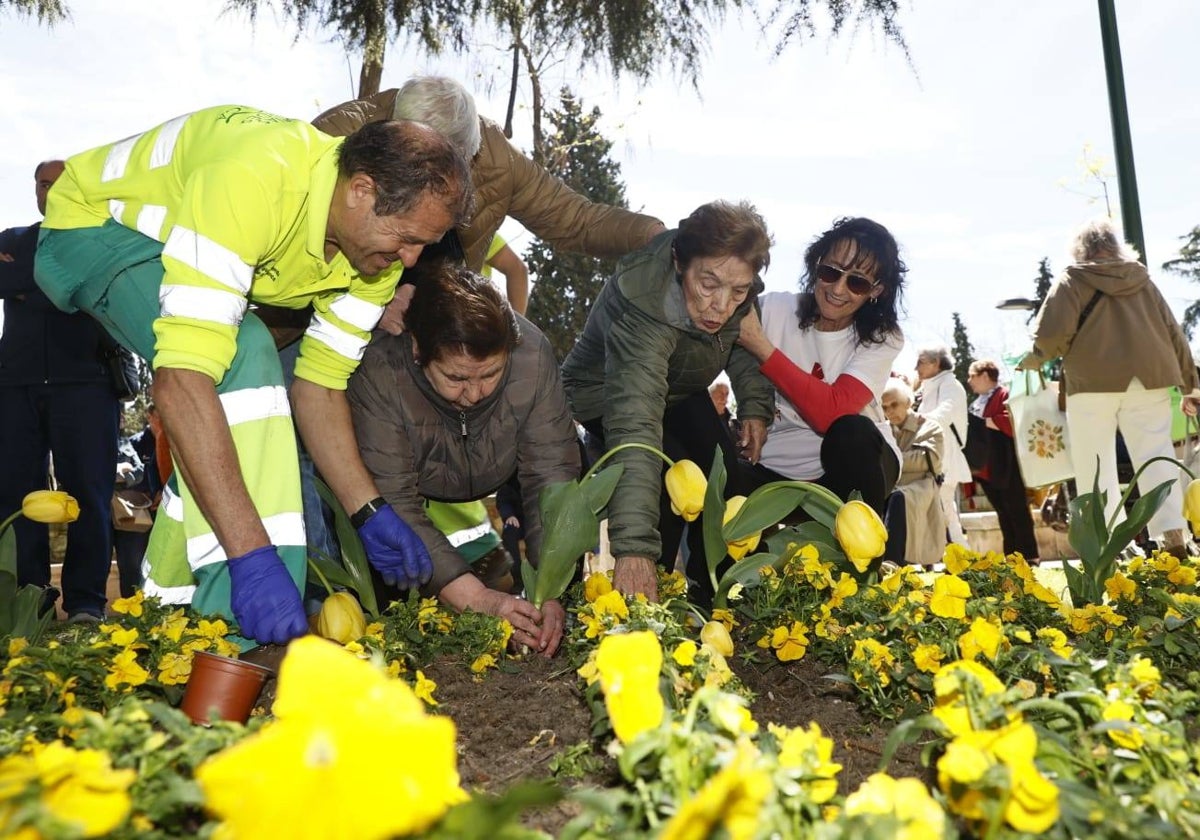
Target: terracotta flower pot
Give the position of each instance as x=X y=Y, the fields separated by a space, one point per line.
x=222 y=688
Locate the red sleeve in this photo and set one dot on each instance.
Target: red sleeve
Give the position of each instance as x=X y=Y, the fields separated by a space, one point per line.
x=998 y=411
x=818 y=402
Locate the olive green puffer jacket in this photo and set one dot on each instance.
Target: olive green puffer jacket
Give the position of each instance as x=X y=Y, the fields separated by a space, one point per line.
x=639 y=354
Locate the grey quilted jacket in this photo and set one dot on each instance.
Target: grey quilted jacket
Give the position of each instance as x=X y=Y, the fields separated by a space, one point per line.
x=418 y=446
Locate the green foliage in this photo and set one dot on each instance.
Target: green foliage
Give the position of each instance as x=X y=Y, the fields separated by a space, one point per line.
x=567 y=284
x=48 y=12
x=1187 y=265
x=1098 y=542
x=1041 y=287
x=20 y=606
x=964 y=353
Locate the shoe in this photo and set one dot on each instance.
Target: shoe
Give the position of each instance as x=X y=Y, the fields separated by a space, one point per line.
x=82 y=617
x=49 y=599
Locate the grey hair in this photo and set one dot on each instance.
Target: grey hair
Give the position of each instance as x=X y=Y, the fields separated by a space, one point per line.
x=445 y=106
x=1099 y=239
x=939 y=353
x=898 y=386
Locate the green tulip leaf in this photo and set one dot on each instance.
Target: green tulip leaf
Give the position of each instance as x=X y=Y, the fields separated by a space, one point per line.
x=746 y=572
x=8 y=551
x=354 y=557
x=1137 y=518
x=569 y=528
x=598 y=489
x=714 y=512
x=776 y=500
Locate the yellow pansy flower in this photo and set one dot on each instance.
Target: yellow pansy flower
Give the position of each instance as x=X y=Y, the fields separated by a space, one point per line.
x=790 y=643
x=482 y=663
x=950 y=594
x=424 y=689
x=685 y=653
x=174 y=668
x=686 y=485
x=629 y=665
x=611 y=603
x=846 y=587
x=597 y=584
x=983 y=636
x=811 y=753
x=131 y=606
x=1130 y=738
x=339 y=724
x=125 y=670
x=909 y=800
x=725 y=617
x=731 y=799
x=958 y=558
x=927 y=658
x=1118 y=586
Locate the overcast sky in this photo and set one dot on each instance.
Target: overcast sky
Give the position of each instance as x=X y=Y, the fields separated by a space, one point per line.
x=973 y=157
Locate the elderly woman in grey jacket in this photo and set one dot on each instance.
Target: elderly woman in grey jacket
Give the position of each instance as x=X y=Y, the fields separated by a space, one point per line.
x=1122 y=350
x=661 y=330
x=448 y=411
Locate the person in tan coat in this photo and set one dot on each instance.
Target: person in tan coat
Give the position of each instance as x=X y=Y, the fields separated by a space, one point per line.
x=921 y=442
x=506 y=182
x=1122 y=350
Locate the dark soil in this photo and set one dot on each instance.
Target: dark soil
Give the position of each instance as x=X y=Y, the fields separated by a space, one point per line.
x=512 y=723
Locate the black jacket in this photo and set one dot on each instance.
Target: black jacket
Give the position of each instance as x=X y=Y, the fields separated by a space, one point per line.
x=41 y=344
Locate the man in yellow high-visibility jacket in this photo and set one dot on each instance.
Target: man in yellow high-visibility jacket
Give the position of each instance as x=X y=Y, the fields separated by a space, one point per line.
x=165 y=237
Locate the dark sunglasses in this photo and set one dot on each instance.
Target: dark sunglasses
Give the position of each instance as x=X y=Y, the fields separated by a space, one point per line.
x=856 y=283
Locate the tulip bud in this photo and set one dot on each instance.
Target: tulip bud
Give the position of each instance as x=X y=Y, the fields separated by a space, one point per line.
x=50 y=506
x=686 y=485
x=717 y=637
x=859 y=530
x=739 y=548
x=1191 y=505
x=341 y=618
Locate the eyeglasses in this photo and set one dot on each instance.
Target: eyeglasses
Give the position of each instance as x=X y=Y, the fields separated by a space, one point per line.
x=856 y=283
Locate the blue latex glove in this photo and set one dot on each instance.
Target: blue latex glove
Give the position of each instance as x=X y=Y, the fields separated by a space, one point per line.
x=264 y=598
x=395 y=550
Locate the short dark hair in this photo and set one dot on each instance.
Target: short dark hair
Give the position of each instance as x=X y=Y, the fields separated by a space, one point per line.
x=986 y=367
x=724 y=229
x=872 y=245
x=454 y=310
x=406 y=160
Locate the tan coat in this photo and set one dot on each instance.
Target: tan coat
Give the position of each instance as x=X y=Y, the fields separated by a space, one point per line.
x=919 y=437
x=1130 y=332
x=509 y=184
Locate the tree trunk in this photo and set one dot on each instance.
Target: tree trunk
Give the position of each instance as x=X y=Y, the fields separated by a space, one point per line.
x=535 y=83
x=374 y=46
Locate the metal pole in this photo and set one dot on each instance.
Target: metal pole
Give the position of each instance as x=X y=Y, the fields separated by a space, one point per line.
x=1131 y=212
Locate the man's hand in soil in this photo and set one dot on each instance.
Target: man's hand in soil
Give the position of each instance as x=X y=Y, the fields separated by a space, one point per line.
x=554 y=618
x=522 y=615
x=633 y=575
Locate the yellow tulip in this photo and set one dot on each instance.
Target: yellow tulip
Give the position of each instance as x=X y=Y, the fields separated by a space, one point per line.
x=341 y=619
x=50 y=506
x=686 y=485
x=739 y=548
x=1191 y=505
x=715 y=635
x=859 y=530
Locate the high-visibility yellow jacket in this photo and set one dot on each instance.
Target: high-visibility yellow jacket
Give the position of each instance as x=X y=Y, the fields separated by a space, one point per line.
x=240 y=198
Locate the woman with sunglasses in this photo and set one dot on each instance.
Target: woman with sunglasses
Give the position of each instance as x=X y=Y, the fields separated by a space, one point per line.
x=829 y=350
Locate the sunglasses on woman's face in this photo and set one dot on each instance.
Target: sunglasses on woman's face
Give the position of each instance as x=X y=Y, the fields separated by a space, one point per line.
x=856 y=283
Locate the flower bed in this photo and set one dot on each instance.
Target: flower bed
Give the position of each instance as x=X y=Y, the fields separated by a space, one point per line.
x=996 y=710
